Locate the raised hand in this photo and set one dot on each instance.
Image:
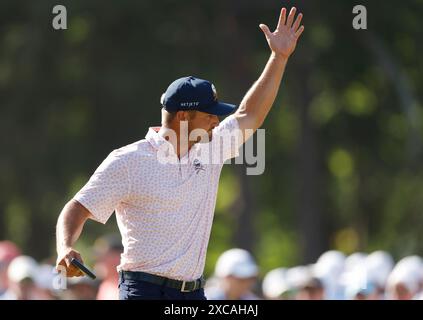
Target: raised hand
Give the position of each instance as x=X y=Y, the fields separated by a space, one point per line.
x=63 y=261
x=283 y=40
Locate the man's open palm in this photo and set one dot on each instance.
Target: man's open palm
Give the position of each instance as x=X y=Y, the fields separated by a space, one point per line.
x=284 y=39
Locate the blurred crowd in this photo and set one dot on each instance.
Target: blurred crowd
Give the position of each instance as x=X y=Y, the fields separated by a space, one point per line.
x=334 y=276
x=23 y=278
x=237 y=276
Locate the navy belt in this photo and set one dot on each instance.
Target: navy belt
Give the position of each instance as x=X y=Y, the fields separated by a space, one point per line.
x=183 y=286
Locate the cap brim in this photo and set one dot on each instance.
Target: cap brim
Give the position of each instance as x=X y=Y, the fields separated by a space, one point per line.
x=220 y=109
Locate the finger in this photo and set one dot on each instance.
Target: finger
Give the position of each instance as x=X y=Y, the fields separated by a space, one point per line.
x=73 y=274
x=72 y=271
x=80 y=274
x=297 y=22
x=73 y=255
x=266 y=30
x=299 y=32
x=282 y=18
x=67 y=260
x=70 y=274
x=60 y=267
x=78 y=257
x=291 y=17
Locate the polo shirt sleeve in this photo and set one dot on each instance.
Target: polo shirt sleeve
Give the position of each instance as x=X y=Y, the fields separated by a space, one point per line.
x=107 y=187
x=227 y=139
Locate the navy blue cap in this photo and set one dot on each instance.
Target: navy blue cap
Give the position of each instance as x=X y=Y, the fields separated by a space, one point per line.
x=190 y=93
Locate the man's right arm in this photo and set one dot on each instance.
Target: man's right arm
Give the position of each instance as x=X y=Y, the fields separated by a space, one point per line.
x=69 y=227
x=259 y=99
x=97 y=200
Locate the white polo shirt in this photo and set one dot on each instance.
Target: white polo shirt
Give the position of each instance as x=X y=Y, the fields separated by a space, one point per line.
x=164 y=210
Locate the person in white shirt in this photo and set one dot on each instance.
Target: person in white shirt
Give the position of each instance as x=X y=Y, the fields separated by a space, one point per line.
x=163 y=188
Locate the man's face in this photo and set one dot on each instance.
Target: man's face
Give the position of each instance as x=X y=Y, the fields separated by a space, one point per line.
x=203 y=124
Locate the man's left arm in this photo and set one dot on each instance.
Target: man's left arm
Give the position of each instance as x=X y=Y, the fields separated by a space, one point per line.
x=259 y=99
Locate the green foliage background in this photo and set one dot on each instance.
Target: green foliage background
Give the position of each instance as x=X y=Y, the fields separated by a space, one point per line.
x=67 y=98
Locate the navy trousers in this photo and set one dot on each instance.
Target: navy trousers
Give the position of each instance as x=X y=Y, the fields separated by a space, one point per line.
x=142 y=290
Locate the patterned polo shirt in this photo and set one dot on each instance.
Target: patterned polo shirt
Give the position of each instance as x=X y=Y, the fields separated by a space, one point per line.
x=164 y=209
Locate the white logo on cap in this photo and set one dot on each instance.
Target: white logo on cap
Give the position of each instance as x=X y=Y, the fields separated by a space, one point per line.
x=214 y=92
x=190 y=104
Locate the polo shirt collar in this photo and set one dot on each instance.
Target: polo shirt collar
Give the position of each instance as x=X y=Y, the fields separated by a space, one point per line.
x=157 y=142
x=155 y=139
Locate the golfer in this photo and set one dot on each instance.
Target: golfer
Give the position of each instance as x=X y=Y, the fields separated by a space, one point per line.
x=163 y=188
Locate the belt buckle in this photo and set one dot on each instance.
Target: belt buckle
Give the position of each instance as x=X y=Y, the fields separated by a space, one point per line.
x=183 y=287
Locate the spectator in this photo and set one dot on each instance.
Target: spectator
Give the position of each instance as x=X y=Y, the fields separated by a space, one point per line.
x=297 y=283
x=379 y=265
x=360 y=287
x=311 y=289
x=275 y=285
x=404 y=282
x=8 y=251
x=237 y=273
x=329 y=269
x=296 y=277
x=355 y=261
x=21 y=273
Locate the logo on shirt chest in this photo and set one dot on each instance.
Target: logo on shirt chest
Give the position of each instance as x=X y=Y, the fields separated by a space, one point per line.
x=198 y=166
